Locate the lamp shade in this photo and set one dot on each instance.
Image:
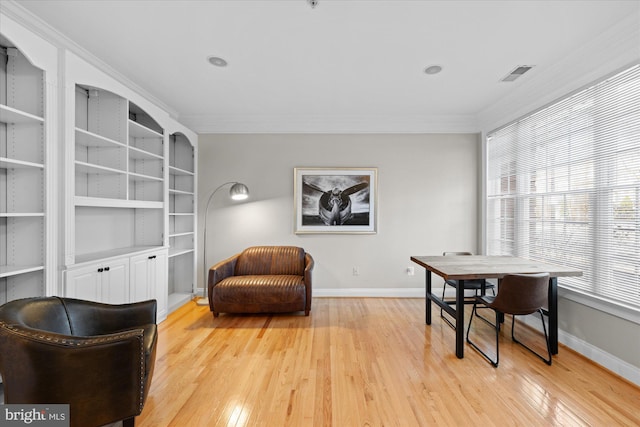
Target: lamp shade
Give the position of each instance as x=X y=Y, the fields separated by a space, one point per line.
x=239 y=191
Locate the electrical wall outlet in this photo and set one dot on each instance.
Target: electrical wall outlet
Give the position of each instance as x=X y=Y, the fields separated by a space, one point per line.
x=356 y=271
x=410 y=271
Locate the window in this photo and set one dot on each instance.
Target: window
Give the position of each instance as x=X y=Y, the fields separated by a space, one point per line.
x=563 y=186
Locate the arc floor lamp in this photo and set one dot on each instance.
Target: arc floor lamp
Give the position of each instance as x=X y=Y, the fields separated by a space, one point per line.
x=238 y=191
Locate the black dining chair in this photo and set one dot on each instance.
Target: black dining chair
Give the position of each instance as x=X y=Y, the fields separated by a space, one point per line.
x=474 y=285
x=519 y=294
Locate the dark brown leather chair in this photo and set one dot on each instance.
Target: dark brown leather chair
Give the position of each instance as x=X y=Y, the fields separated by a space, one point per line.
x=518 y=294
x=262 y=279
x=98 y=358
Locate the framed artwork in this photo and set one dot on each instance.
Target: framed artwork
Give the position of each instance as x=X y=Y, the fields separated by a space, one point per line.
x=335 y=200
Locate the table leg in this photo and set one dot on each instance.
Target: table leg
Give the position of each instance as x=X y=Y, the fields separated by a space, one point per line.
x=500 y=315
x=460 y=319
x=553 y=314
x=427 y=299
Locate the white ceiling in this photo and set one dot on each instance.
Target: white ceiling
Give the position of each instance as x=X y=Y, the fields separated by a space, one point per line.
x=342 y=65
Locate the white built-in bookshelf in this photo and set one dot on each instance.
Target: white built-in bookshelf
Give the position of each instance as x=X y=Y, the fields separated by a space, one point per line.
x=182 y=223
x=119 y=181
x=119 y=253
x=22 y=175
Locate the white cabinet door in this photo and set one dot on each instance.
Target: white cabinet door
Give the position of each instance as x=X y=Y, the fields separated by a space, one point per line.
x=83 y=283
x=104 y=282
x=115 y=282
x=160 y=282
x=140 y=280
x=149 y=279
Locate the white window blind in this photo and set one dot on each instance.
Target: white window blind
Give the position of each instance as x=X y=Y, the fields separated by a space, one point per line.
x=563 y=186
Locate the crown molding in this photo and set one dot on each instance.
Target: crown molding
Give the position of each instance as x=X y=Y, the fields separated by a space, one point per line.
x=614 y=50
x=35 y=24
x=331 y=124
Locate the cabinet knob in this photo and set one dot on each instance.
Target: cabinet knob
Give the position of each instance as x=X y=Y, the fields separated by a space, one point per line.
x=106 y=269
x=100 y=270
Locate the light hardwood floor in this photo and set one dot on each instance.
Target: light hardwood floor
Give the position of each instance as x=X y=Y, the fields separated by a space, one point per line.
x=366 y=362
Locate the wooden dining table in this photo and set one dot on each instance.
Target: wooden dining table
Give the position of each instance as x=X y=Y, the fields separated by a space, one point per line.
x=470 y=267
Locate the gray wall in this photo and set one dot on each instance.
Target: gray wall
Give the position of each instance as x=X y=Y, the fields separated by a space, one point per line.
x=427 y=202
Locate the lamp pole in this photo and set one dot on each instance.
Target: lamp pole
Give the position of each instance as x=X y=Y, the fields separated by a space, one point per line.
x=238 y=191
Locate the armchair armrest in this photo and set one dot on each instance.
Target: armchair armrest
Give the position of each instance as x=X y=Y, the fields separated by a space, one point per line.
x=103 y=376
x=218 y=273
x=309 y=263
x=222 y=270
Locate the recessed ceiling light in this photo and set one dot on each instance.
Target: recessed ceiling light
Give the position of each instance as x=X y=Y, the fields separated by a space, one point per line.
x=217 y=61
x=433 y=69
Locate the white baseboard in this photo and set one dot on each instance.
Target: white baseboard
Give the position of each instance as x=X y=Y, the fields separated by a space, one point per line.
x=601 y=357
x=624 y=369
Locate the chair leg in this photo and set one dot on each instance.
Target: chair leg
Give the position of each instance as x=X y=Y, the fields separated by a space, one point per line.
x=442 y=311
x=546 y=339
x=129 y=422
x=444 y=286
x=487 y=321
x=484 y=318
x=494 y=363
x=449 y=322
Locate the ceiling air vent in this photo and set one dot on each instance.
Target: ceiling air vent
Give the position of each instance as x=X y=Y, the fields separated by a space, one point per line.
x=517 y=72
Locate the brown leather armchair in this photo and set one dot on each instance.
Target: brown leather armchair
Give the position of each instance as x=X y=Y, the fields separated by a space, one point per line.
x=262 y=279
x=98 y=358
